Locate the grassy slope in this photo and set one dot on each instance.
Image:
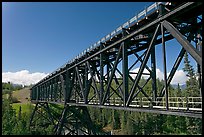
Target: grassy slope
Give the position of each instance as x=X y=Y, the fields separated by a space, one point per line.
x=23 y=96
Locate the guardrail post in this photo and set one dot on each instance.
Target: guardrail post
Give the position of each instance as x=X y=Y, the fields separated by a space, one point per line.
x=187 y=103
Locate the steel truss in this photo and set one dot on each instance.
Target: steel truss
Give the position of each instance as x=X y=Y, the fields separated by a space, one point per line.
x=41 y=117
x=75 y=121
x=69 y=120
x=107 y=73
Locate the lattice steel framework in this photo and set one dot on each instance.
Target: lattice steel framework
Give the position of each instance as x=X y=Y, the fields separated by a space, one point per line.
x=106 y=72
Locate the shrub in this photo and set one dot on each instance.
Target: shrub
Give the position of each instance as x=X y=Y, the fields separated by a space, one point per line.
x=15 y=100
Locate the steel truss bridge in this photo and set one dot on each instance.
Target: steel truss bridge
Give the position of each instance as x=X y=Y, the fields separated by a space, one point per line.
x=102 y=76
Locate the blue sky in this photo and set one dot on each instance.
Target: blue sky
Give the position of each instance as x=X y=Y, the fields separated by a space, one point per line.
x=42 y=36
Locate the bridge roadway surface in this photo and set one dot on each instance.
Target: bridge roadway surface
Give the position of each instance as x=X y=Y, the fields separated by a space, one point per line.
x=71 y=80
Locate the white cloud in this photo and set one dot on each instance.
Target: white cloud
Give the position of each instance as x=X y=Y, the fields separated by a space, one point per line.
x=159 y=74
x=179 y=77
x=23 y=77
x=136 y=71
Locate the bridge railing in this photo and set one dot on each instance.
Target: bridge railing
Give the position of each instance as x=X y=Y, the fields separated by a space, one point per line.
x=143 y=14
x=175 y=103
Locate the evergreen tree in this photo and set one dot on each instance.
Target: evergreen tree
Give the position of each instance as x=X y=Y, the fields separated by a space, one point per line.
x=19 y=113
x=123 y=120
x=187 y=67
x=192 y=88
x=8 y=118
x=129 y=125
x=178 y=90
x=116 y=119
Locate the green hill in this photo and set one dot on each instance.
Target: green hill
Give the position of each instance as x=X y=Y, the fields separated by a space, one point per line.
x=22 y=95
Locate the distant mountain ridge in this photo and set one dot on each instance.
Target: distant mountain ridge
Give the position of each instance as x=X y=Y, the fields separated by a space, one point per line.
x=15 y=85
x=181 y=86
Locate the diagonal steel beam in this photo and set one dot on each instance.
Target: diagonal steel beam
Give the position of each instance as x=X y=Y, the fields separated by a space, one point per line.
x=112 y=74
x=140 y=88
x=184 y=42
x=94 y=81
x=134 y=63
x=80 y=83
x=116 y=80
x=173 y=70
x=139 y=58
x=143 y=65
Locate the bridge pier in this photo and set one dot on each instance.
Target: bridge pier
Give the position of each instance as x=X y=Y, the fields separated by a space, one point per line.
x=41 y=117
x=75 y=120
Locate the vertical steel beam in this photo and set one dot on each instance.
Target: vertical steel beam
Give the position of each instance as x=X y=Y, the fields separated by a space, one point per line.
x=58 y=95
x=37 y=95
x=75 y=85
x=86 y=83
x=56 y=89
x=125 y=72
x=52 y=89
x=62 y=91
x=165 y=71
x=101 y=75
x=67 y=92
x=44 y=91
x=31 y=93
x=71 y=87
x=108 y=77
x=153 y=74
x=49 y=90
x=40 y=93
